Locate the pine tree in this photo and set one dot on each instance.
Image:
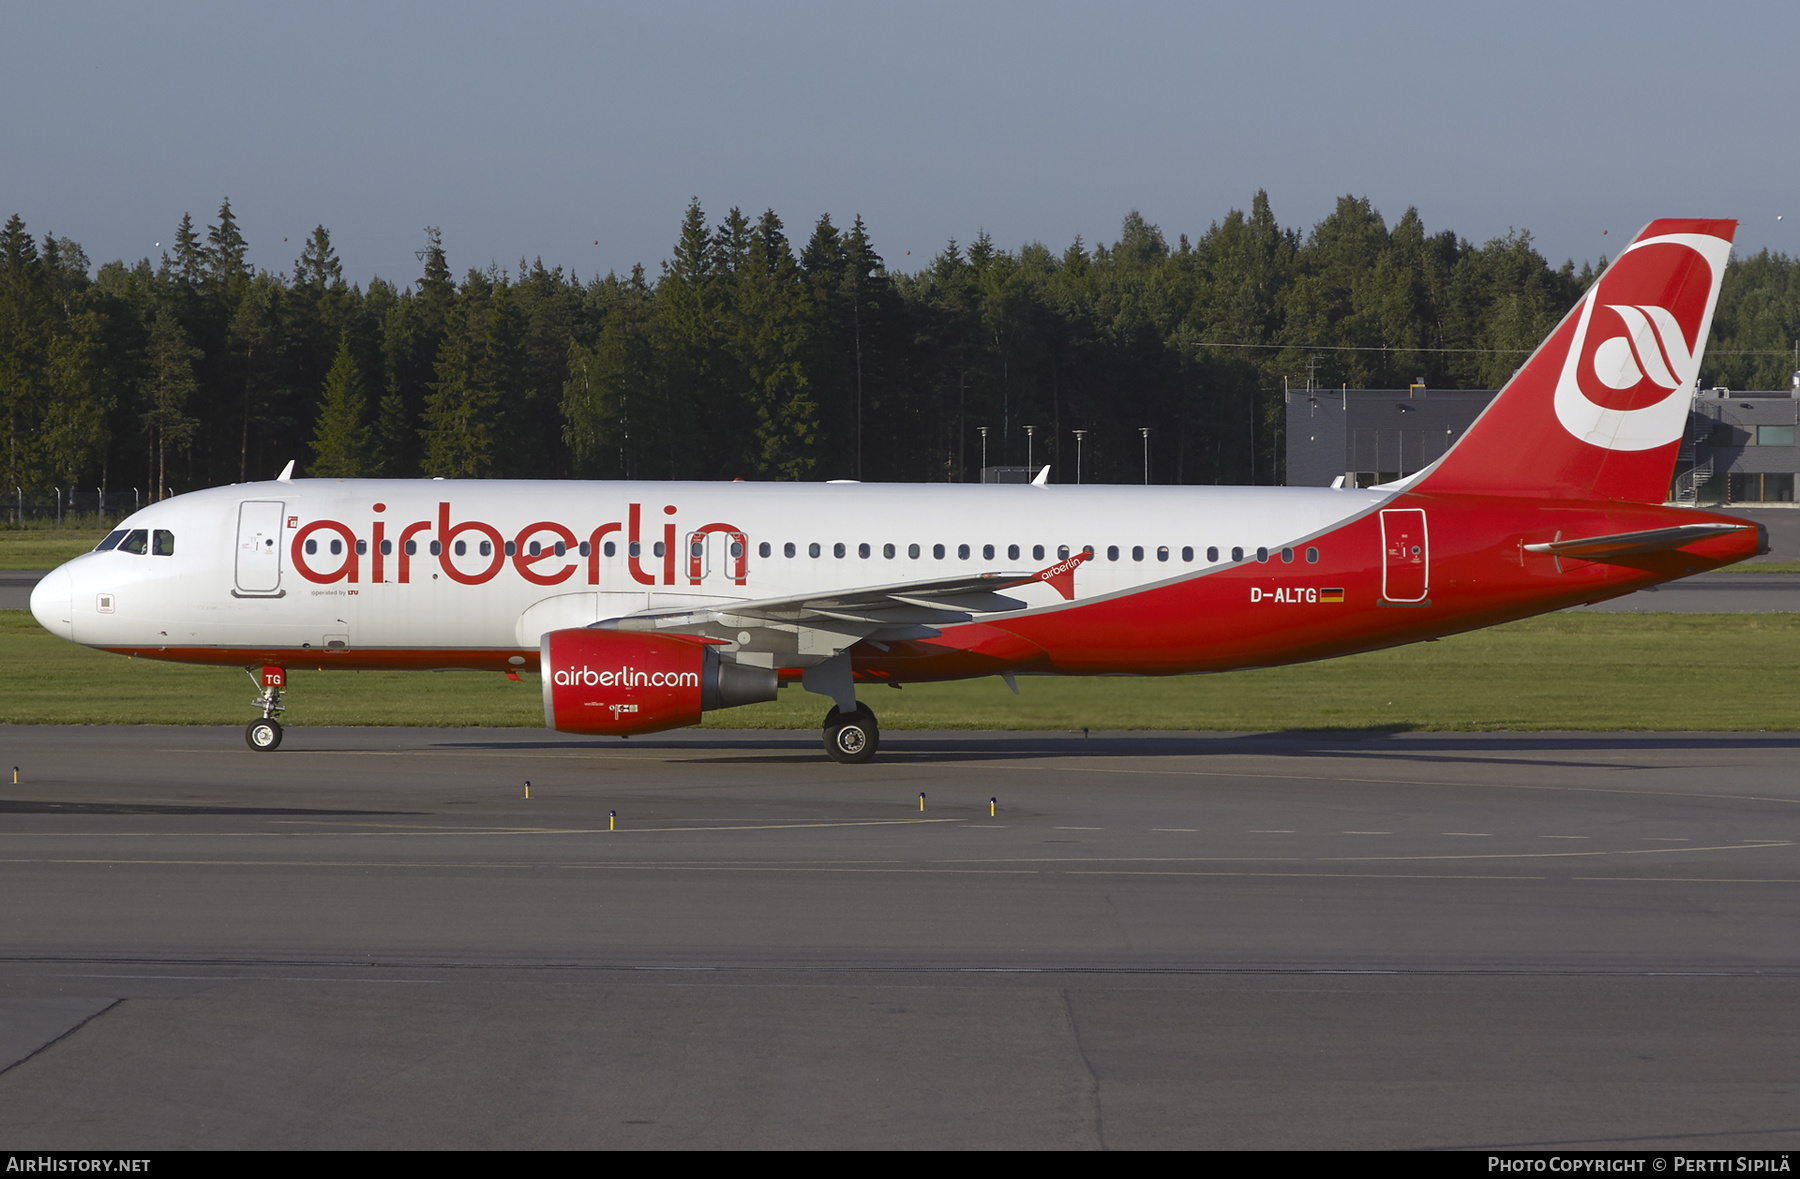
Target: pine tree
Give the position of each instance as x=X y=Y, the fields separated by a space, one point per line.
x=190 y=255
x=226 y=250
x=769 y=316
x=341 y=440
x=170 y=388
x=24 y=346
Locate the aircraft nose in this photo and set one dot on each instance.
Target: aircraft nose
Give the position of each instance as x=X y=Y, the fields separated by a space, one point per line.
x=52 y=600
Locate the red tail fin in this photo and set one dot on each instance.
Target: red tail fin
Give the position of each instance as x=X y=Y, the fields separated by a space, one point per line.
x=1599 y=409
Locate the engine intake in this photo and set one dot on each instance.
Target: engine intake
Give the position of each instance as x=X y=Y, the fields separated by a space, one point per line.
x=620 y=683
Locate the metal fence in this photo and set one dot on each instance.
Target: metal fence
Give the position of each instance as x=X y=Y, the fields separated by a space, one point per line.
x=71 y=507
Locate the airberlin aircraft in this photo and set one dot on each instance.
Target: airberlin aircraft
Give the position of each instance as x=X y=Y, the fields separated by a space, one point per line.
x=644 y=605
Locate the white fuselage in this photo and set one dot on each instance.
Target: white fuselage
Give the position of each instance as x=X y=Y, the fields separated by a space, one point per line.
x=240 y=577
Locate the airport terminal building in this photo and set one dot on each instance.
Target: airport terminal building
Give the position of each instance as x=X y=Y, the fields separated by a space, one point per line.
x=1739 y=446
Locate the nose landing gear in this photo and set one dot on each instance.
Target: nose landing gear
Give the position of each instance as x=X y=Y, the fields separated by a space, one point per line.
x=852 y=738
x=264 y=735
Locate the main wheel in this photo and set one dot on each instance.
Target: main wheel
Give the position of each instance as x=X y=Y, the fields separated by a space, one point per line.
x=264 y=736
x=852 y=739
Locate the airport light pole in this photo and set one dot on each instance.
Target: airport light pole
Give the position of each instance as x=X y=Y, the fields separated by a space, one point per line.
x=1145 y=431
x=1029 y=431
x=1079 y=436
x=984 y=431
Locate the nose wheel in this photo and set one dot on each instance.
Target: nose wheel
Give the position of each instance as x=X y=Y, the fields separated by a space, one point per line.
x=264 y=735
x=851 y=738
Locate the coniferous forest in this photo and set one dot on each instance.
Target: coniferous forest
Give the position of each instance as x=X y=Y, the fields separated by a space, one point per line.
x=750 y=353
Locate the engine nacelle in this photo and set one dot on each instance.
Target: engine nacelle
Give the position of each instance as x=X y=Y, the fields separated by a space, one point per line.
x=622 y=682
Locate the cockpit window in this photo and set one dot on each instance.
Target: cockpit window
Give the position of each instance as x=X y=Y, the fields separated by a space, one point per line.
x=164 y=543
x=137 y=541
x=111 y=542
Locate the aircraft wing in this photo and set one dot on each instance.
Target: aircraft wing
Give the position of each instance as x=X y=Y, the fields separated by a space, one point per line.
x=897 y=610
x=1631 y=544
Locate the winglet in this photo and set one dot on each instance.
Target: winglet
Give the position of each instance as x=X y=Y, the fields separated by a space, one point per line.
x=287 y=473
x=1043 y=476
x=1061 y=576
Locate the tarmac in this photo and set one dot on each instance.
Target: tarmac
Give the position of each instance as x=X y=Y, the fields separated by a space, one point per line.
x=373 y=938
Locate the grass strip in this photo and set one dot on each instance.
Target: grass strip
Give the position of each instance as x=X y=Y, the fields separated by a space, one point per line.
x=43 y=548
x=1715 y=672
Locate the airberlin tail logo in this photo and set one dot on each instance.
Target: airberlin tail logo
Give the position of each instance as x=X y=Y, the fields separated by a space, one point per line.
x=1652 y=349
x=1638 y=341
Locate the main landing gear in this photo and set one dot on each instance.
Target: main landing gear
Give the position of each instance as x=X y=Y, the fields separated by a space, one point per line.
x=852 y=738
x=264 y=735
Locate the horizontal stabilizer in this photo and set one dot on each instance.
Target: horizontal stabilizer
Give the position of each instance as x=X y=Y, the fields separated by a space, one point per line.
x=1631 y=544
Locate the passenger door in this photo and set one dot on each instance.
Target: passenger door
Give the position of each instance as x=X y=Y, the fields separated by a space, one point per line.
x=259 y=549
x=1405 y=555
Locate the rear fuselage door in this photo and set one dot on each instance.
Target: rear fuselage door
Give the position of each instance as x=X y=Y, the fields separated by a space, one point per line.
x=1405 y=555
x=259 y=547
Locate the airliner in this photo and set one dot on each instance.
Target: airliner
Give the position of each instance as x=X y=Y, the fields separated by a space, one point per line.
x=643 y=606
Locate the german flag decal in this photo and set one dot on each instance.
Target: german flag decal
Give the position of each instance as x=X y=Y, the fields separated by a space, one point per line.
x=1331 y=595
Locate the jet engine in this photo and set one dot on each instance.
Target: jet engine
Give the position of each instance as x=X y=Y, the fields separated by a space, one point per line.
x=619 y=682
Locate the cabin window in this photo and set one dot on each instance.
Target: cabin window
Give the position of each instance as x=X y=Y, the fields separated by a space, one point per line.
x=962 y=552
x=1287 y=556
x=863 y=550
x=1062 y=552
x=337 y=546
x=461 y=548
x=838 y=550
x=765 y=549
x=1237 y=552
x=1312 y=555
x=362 y=548
x=508 y=548
x=1162 y=552
x=609 y=549
x=912 y=551
x=1137 y=552
x=1187 y=552
x=1088 y=549
x=656 y=549
x=1112 y=552
x=987 y=552
x=437 y=548
x=312 y=546
x=1212 y=552
x=937 y=552
x=697 y=549
x=887 y=550
x=583 y=548
x=787 y=550
x=812 y=550
x=1262 y=555
x=387 y=547
x=487 y=549
x=111 y=541
x=736 y=550
x=534 y=549
x=1037 y=552
x=636 y=548
x=562 y=548
x=1012 y=552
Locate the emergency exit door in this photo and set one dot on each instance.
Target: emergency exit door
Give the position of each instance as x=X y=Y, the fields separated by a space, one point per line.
x=1405 y=555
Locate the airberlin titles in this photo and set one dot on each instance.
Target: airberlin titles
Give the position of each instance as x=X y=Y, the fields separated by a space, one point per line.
x=543 y=553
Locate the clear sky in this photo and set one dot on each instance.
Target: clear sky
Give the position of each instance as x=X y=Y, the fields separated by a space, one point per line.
x=578 y=132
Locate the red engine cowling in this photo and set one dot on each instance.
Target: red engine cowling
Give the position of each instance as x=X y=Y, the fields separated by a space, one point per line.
x=619 y=682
